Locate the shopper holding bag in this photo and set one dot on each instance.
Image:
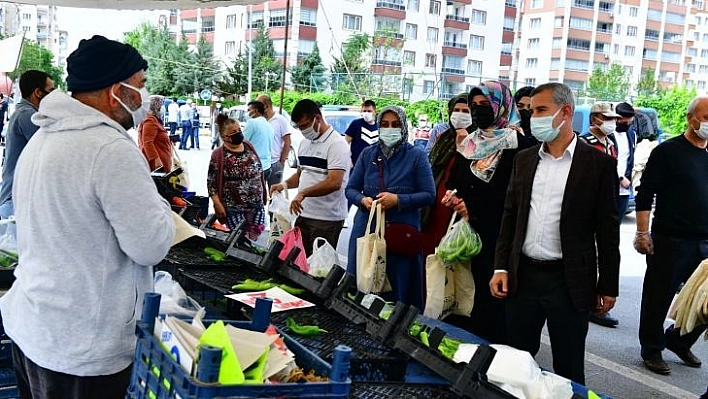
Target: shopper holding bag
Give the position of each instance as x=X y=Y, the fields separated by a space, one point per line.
x=397 y=176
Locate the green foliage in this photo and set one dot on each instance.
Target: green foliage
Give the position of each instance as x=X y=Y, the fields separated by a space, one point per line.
x=184 y=78
x=235 y=80
x=647 y=84
x=352 y=61
x=671 y=105
x=266 y=69
x=307 y=76
x=433 y=108
x=610 y=85
x=38 y=57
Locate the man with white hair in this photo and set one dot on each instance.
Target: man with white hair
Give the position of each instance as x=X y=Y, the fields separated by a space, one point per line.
x=678 y=239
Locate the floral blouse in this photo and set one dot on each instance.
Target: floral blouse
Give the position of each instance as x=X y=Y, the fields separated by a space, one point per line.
x=243 y=181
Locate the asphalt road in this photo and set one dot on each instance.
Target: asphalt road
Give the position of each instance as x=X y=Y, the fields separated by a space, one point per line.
x=613 y=364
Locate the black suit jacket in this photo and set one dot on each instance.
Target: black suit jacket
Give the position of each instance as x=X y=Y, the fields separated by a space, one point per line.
x=589 y=226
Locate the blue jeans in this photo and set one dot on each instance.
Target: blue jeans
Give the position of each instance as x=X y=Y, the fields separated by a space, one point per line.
x=7 y=209
x=195 y=136
x=186 y=133
x=173 y=127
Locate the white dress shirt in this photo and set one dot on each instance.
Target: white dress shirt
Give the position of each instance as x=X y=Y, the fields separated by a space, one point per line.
x=622 y=157
x=543 y=241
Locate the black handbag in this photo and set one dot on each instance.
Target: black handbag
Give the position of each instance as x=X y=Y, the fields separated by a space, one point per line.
x=401 y=238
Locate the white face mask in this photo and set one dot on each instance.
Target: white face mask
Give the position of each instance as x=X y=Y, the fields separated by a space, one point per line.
x=311 y=133
x=390 y=136
x=542 y=127
x=142 y=111
x=460 y=120
x=608 y=126
x=368 y=116
x=702 y=130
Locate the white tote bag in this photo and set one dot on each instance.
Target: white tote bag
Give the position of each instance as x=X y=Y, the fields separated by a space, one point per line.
x=371 y=255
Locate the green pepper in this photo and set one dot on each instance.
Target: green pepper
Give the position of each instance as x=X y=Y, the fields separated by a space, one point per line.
x=424 y=338
x=303 y=330
x=448 y=347
x=291 y=290
x=253 y=285
x=212 y=251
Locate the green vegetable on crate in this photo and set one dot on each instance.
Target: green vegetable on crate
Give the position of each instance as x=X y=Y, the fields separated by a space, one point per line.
x=448 y=347
x=292 y=290
x=461 y=244
x=254 y=285
x=301 y=329
x=215 y=254
x=8 y=258
x=424 y=338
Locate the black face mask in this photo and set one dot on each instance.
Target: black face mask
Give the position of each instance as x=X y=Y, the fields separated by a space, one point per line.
x=622 y=127
x=236 y=138
x=525 y=124
x=483 y=116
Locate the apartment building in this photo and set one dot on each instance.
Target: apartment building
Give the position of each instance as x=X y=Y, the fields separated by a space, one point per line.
x=640 y=35
x=423 y=48
x=39 y=23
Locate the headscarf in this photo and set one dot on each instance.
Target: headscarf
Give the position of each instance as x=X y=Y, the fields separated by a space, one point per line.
x=484 y=148
x=401 y=113
x=523 y=92
x=445 y=145
x=156 y=105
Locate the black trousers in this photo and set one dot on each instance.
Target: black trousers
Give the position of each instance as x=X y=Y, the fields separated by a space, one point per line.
x=673 y=262
x=542 y=297
x=313 y=228
x=35 y=382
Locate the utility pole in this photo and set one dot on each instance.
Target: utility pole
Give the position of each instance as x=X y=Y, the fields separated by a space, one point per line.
x=250 y=54
x=285 y=56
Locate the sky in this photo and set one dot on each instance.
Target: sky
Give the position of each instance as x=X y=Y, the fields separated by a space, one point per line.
x=83 y=23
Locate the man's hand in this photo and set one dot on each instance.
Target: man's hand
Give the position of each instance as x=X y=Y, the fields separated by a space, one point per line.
x=276 y=188
x=604 y=304
x=296 y=204
x=643 y=243
x=366 y=202
x=387 y=200
x=220 y=212
x=498 y=285
x=624 y=182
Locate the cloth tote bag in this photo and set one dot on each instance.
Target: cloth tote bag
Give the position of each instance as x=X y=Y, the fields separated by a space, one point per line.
x=371 y=255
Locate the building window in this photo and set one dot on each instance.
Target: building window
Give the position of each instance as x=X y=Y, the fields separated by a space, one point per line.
x=476 y=42
x=509 y=23
x=557 y=42
x=434 y=7
x=474 y=67
x=558 y=22
x=189 y=26
x=649 y=54
x=704 y=53
x=618 y=29
x=428 y=86
x=534 y=23
x=255 y=19
x=430 y=60
x=616 y=48
x=308 y=17
x=654 y=15
x=230 y=48
x=277 y=18
x=536 y=3
x=530 y=82
x=578 y=44
x=534 y=43
x=412 y=5
x=690 y=68
x=629 y=51
x=560 y=3
x=701 y=85
x=207 y=24
x=632 y=31
x=231 y=21
x=26 y=16
x=633 y=11
x=479 y=17
x=409 y=58
x=531 y=63
x=432 y=35
x=581 y=23
x=305 y=47
x=669 y=56
x=411 y=31
x=576 y=65
x=506 y=48
x=692 y=52
x=689 y=84
x=555 y=64
x=703 y=69
x=351 y=22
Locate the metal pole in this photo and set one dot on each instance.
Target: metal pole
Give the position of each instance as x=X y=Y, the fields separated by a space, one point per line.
x=250 y=54
x=285 y=57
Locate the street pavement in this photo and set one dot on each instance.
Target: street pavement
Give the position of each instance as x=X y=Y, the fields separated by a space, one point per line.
x=613 y=364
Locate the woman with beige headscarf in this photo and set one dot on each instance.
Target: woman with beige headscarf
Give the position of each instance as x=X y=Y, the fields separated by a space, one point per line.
x=153 y=140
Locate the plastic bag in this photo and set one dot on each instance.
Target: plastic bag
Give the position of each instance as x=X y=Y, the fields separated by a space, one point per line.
x=8 y=242
x=282 y=218
x=460 y=244
x=323 y=257
x=174 y=301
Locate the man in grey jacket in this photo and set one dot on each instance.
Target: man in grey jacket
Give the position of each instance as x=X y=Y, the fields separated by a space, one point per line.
x=34 y=85
x=90 y=226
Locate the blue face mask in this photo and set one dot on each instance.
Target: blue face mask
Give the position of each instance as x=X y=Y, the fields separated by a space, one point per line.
x=542 y=127
x=390 y=136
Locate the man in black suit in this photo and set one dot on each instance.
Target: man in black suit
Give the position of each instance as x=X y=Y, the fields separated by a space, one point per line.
x=557 y=256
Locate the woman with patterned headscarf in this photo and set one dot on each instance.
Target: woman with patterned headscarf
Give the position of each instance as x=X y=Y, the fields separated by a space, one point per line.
x=481 y=174
x=153 y=140
x=397 y=175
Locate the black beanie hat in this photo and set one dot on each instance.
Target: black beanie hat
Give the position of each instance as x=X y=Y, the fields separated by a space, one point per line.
x=99 y=62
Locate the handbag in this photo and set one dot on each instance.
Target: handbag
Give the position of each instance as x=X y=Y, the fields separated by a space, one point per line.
x=177 y=162
x=401 y=238
x=293 y=238
x=371 y=255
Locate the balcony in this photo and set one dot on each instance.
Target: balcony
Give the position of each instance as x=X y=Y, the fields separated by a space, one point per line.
x=455 y=45
x=391 y=5
x=457 y=22
x=453 y=70
x=454 y=48
x=389 y=33
x=510 y=3
x=387 y=62
x=390 y=9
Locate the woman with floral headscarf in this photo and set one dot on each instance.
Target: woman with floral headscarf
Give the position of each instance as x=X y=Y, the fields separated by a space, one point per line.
x=153 y=140
x=398 y=175
x=480 y=175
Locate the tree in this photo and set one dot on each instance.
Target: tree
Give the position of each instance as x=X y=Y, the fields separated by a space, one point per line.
x=647 y=84
x=235 y=80
x=266 y=69
x=155 y=45
x=352 y=64
x=610 y=85
x=184 y=77
x=309 y=73
x=37 y=57
x=670 y=104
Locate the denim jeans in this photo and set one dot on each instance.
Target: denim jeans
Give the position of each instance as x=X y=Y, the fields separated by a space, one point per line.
x=7 y=209
x=195 y=136
x=186 y=133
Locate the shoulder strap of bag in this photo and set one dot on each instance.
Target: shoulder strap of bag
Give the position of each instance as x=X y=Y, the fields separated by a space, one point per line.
x=381 y=174
x=381 y=221
x=452 y=221
x=372 y=212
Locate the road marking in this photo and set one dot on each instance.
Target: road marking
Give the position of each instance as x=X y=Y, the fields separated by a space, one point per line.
x=634 y=375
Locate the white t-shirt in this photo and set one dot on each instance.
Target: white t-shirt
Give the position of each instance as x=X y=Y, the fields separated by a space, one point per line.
x=281 y=128
x=173 y=112
x=622 y=157
x=329 y=152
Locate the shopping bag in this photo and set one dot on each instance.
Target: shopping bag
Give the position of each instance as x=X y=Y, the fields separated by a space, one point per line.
x=8 y=243
x=282 y=218
x=435 y=276
x=459 y=290
x=293 y=238
x=177 y=162
x=323 y=257
x=460 y=244
x=371 y=255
